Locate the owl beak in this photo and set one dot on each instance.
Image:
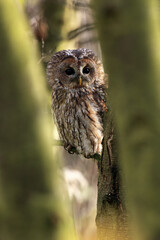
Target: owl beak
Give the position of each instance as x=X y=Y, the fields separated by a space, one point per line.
x=80 y=80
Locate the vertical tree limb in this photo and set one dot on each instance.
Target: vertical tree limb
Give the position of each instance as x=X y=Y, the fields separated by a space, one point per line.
x=129 y=33
x=30 y=206
x=112 y=222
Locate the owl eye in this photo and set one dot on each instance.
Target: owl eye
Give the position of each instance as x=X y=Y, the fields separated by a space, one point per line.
x=86 y=70
x=70 y=71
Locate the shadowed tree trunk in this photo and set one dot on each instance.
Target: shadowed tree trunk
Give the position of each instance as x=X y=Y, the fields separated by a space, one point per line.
x=53 y=12
x=129 y=34
x=30 y=206
x=112 y=221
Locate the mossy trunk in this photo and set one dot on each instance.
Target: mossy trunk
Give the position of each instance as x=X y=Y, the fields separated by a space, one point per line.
x=30 y=206
x=129 y=33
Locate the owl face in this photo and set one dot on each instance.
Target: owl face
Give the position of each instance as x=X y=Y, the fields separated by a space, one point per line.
x=76 y=73
x=74 y=68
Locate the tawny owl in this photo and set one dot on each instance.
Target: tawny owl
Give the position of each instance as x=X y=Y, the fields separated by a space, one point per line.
x=78 y=99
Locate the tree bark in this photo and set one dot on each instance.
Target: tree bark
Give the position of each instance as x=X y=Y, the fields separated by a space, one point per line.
x=129 y=33
x=30 y=206
x=112 y=221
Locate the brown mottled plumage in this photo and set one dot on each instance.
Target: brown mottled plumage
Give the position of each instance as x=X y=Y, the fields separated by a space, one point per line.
x=78 y=99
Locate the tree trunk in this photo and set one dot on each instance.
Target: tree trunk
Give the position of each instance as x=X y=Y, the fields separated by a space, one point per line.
x=112 y=222
x=30 y=206
x=54 y=14
x=129 y=33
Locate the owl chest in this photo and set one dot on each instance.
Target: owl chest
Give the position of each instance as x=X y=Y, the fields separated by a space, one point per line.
x=71 y=109
x=78 y=122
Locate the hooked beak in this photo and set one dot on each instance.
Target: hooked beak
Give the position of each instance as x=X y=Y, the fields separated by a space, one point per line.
x=80 y=80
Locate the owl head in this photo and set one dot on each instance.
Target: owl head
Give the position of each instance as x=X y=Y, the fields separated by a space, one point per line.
x=75 y=69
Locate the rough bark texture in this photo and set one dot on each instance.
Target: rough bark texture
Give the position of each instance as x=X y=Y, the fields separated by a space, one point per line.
x=29 y=204
x=129 y=35
x=112 y=222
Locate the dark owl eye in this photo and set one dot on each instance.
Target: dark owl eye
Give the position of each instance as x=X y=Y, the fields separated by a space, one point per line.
x=70 y=71
x=86 y=70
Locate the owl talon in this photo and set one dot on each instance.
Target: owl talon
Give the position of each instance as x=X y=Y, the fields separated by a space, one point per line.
x=69 y=148
x=71 y=151
x=95 y=156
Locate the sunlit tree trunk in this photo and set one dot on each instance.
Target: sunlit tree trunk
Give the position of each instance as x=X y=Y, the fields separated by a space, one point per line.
x=129 y=33
x=30 y=205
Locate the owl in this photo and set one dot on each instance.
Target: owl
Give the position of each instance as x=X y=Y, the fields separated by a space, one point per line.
x=78 y=99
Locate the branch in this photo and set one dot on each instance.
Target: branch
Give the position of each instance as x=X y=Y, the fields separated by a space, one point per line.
x=74 y=33
x=74 y=150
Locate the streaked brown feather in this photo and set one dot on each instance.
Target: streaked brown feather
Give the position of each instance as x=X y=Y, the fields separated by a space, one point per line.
x=78 y=110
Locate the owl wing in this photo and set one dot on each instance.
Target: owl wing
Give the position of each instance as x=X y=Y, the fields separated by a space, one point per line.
x=100 y=98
